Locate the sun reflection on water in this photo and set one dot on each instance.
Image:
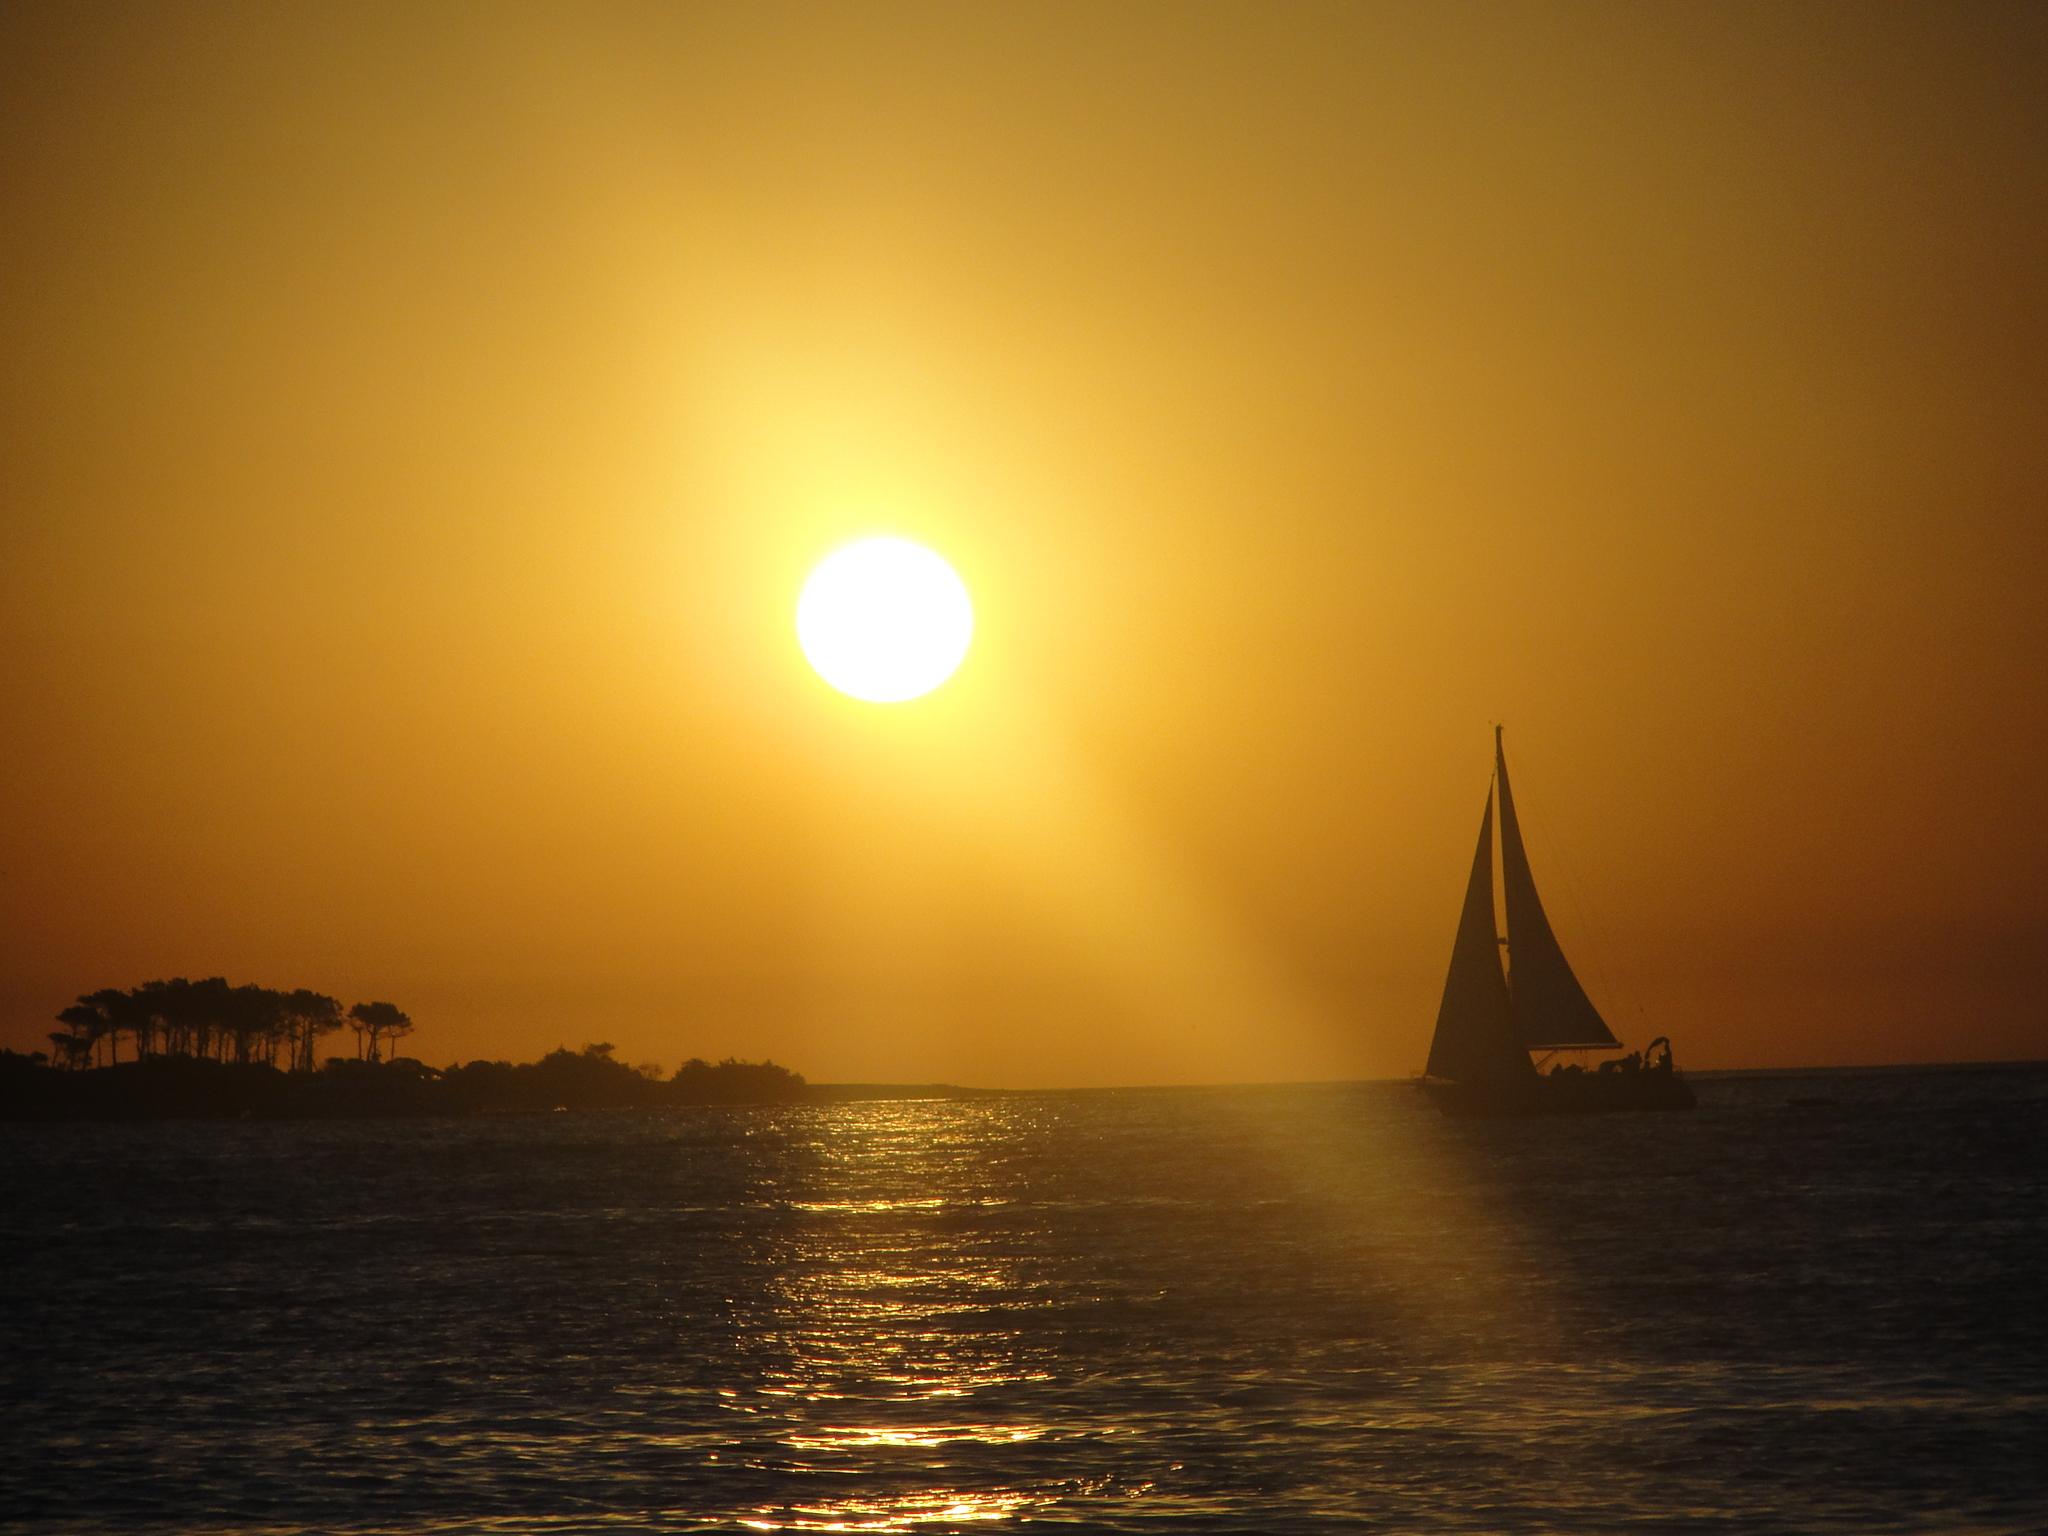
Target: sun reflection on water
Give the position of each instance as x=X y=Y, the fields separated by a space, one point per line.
x=897 y=1514
x=899 y=1289
x=907 y=1359
x=848 y=1437
x=931 y=1203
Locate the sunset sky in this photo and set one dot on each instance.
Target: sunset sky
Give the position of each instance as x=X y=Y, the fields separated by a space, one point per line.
x=419 y=421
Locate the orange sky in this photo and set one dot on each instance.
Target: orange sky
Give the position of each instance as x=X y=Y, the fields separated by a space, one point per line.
x=418 y=422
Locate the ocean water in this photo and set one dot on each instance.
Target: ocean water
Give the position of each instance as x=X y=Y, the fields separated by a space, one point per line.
x=1250 y=1309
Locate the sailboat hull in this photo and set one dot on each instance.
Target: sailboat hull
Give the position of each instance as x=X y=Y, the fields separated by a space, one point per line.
x=1561 y=1093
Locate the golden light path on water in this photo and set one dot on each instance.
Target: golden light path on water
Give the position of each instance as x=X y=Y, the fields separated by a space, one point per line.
x=856 y=1327
x=859 y=1309
x=906 y=1338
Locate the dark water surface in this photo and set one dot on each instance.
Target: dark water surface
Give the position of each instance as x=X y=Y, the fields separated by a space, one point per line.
x=1241 y=1309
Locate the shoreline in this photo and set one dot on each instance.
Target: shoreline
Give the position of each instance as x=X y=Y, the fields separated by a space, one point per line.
x=182 y=1088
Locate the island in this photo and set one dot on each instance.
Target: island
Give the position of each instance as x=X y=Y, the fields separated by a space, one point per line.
x=210 y=1050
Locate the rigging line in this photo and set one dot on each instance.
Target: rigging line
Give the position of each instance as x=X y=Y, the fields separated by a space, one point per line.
x=1626 y=995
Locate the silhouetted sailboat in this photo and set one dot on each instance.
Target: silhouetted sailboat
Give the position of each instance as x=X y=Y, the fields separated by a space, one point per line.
x=1490 y=1020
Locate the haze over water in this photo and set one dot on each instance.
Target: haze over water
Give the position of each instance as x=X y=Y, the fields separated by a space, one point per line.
x=1231 y=1309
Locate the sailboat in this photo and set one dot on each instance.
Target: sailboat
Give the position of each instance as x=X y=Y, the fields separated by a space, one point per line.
x=1491 y=1020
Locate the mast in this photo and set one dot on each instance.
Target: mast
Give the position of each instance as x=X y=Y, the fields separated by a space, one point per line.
x=1475 y=1030
x=1551 y=1009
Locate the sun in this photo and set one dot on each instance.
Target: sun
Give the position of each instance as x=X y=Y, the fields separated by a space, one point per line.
x=884 y=620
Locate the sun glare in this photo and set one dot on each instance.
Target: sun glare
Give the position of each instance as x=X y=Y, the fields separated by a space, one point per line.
x=884 y=620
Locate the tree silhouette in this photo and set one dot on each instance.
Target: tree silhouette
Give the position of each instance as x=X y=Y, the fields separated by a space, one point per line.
x=207 y=1019
x=247 y=1020
x=379 y=1022
x=71 y=1046
x=211 y=1049
x=309 y=1015
x=96 y=1017
x=205 y=1008
x=127 y=1015
x=166 y=1003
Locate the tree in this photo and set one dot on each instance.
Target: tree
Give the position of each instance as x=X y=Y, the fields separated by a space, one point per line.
x=205 y=1007
x=310 y=1015
x=169 y=1006
x=107 y=1015
x=214 y=1021
x=95 y=1017
x=734 y=1082
x=378 y=1022
x=253 y=1016
x=69 y=1048
x=132 y=1015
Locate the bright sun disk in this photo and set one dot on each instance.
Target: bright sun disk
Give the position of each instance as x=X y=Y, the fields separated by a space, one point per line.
x=884 y=620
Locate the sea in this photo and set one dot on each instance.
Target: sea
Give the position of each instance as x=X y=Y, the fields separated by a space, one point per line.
x=1814 y=1304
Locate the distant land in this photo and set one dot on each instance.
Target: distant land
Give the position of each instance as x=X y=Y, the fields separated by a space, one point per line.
x=182 y=1087
x=211 y=1049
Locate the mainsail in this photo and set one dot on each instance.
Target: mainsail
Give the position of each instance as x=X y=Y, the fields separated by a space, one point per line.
x=1475 y=1038
x=1551 y=1009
